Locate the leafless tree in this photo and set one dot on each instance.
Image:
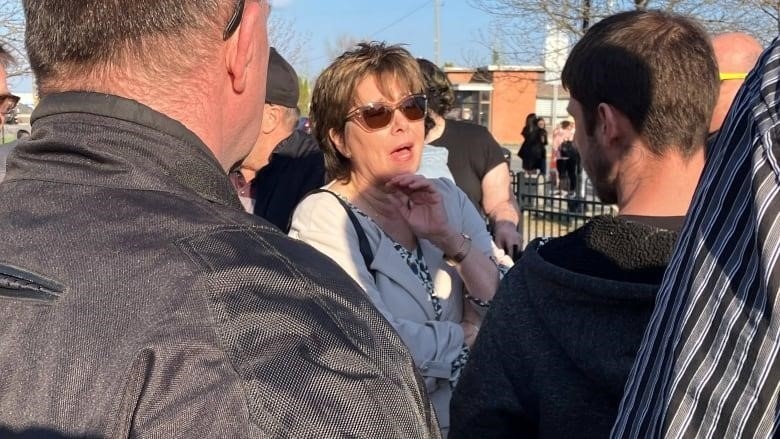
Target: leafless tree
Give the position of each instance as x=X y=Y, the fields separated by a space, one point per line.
x=523 y=24
x=283 y=34
x=341 y=44
x=12 y=35
x=287 y=38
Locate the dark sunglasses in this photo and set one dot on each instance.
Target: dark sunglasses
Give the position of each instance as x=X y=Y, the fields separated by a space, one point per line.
x=8 y=102
x=377 y=115
x=234 y=21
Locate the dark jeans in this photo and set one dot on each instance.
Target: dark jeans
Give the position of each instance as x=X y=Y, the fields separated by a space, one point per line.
x=563 y=172
x=571 y=172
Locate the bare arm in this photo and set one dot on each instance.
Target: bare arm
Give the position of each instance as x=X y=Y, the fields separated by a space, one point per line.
x=479 y=273
x=501 y=208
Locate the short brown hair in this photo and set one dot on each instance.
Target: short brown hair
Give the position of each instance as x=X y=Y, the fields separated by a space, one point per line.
x=81 y=39
x=657 y=68
x=334 y=93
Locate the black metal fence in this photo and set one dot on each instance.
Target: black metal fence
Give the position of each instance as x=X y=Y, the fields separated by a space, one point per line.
x=548 y=209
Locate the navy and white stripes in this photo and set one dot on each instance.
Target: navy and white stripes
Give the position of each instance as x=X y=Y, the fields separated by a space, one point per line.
x=709 y=363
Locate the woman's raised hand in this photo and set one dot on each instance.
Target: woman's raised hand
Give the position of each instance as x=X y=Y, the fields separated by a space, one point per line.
x=418 y=201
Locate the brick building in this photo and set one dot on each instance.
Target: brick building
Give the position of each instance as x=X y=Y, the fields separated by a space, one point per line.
x=500 y=97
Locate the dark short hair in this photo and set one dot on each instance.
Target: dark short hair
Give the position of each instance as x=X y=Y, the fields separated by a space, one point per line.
x=335 y=92
x=438 y=87
x=657 y=68
x=67 y=38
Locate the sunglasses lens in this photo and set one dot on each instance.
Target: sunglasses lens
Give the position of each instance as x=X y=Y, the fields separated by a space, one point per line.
x=413 y=107
x=376 y=117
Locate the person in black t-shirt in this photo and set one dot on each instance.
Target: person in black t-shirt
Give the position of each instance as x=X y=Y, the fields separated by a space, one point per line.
x=475 y=160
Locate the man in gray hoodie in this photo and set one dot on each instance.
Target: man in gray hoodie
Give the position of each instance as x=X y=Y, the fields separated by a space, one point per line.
x=556 y=348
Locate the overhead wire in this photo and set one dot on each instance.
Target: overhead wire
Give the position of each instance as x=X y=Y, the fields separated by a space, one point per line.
x=379 y=31
x=405 y=16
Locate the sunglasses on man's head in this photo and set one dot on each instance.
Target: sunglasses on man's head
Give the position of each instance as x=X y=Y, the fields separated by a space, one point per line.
x=377 y=115
x=732 y=76
x=234 y=21
x=8 y=102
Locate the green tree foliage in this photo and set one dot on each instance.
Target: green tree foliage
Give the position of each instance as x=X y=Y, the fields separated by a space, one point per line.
x=304 y=98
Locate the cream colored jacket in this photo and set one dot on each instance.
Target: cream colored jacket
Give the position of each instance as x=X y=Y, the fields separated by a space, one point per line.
x=396 y=291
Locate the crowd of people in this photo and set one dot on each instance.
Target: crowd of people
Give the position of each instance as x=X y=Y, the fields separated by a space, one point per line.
x=181 y=261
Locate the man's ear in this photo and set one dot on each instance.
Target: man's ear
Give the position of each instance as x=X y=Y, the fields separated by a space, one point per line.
x=242 y=45
x=270 y=118
x=338 y=141
x=611 y=124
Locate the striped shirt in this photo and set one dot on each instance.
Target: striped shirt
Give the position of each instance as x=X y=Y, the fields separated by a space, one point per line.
x=709 y=363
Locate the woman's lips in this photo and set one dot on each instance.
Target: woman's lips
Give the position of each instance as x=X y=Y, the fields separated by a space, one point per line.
x=403 y=148
x=402 y=153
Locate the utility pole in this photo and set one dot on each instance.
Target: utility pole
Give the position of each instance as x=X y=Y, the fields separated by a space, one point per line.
x=437 y=31
x=585 y=15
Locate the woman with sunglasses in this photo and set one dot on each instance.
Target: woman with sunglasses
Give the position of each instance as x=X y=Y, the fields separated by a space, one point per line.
x=418 y=247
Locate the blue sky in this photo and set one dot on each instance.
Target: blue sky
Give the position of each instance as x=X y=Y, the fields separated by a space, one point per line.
x=394 y=21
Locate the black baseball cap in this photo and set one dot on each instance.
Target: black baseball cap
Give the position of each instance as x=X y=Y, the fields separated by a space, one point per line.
x=282 y=83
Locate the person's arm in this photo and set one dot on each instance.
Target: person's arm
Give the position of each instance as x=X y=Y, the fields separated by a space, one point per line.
x=281 y=320
x=422 y=205
x=471 y=322
x=501 y=208
x=557 y=137
x=498 y=202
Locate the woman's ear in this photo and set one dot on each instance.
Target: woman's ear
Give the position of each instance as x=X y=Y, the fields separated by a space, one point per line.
x=338 y=141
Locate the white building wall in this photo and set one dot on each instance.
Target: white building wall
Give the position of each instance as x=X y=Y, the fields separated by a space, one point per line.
x=544 y=108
